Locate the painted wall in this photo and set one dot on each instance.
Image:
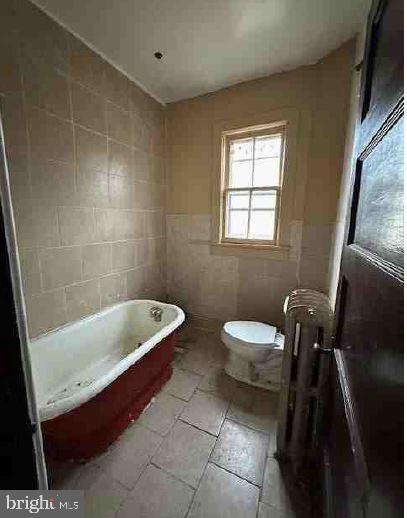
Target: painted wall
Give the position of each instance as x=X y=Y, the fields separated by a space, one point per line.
x=85 y=149
x=216 y=286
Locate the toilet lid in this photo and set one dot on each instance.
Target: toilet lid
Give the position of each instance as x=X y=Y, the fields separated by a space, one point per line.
x=251 y=332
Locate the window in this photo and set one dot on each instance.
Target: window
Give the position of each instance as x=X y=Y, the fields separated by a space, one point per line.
x=252 y=178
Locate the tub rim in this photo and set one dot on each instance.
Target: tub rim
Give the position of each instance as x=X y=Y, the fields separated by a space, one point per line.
x=52 y=410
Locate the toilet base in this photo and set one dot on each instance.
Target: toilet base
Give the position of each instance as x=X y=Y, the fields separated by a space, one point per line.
x=247 y=372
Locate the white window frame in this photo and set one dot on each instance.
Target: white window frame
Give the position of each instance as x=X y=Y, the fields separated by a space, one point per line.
x=227 y=138
x=298 y=126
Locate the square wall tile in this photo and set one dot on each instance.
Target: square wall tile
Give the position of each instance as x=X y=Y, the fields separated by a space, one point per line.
x=118 y=124
x=113 y=289
x=47 y=88
x=141 y=137
x=136 y=282
x=121 y=194
x=36 y=226
x=119 y=158
x=141 y=164
x=96 y=260
x=50 y=137
x=60 y=266
x=123 y=255
x=88 y=108
x=93 y=188
x=41 y=37
x=106 y=224
x=45 y=312
x=15 y=119
x=116 y=87
x=53 y=183
x=141 y=251
x=82 y=299
x=76 y=226
x=86 y=65
x=91 y=150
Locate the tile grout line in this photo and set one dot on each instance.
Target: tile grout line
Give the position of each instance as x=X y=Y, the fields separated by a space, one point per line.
x=152 y=463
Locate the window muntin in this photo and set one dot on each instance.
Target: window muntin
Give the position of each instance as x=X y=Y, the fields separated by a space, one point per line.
x=252 y=185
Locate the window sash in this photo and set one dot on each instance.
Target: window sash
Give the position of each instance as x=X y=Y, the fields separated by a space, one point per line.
x=250 y=191
x=225 y=209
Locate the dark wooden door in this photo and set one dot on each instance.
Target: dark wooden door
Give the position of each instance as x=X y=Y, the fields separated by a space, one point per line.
x=364 y=448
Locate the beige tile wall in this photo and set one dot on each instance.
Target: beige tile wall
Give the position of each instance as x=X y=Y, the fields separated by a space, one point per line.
x=85 y=149
x=226 y=287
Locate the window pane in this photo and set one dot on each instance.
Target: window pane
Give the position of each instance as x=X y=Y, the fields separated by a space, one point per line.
x=238 y=200
x=264 y=200
x=241 y=149
x=269 y=146
x=237 y=223
x=262 y=224
x=240 y=174
x=266 y=172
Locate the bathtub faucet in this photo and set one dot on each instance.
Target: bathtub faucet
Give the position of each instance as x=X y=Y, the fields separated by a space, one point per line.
x=156 y=313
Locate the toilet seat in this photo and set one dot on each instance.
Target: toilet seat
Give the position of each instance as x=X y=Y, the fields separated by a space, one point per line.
x=250 y=334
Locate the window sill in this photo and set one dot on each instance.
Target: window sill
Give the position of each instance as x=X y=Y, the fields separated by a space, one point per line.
x=275 y=252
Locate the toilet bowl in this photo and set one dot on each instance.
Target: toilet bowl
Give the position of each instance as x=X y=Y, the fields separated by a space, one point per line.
x=255 y=353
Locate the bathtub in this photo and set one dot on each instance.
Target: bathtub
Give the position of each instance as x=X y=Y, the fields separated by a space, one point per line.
x=94 y=376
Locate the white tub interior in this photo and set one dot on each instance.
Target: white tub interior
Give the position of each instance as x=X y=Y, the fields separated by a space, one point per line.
x=75 y=362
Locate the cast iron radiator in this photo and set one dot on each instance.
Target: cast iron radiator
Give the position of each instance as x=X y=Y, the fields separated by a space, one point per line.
x=304 y=376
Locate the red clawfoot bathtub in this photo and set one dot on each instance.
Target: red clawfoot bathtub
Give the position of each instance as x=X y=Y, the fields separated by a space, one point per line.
x=95 y=376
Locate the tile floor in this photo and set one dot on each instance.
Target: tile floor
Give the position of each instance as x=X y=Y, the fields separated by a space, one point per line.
x=203 y=449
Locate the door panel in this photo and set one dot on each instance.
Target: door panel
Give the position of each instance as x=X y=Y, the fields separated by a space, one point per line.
x=379 y=216
x=365 y=428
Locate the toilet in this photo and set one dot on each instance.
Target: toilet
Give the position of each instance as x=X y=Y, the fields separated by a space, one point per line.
x=255 y=353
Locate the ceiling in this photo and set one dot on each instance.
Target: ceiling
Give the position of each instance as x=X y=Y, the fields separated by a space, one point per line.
x=207 y=44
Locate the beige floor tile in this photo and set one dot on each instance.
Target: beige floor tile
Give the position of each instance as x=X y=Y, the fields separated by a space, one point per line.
x=212 y=344
x=182 y=384
x=62 y=474
x=87 y=475
x=242 y=451
x=205 y=411
x=130 y=455
x=218 y=383
x=254 y=407
x=196 y=360
x=185 y=452
x=275 y=487
x=162 y=413
x=207 y=351
x=157 y=495
x=273 y=438
x=223 y=495
x=268 y=511
x=104 y=497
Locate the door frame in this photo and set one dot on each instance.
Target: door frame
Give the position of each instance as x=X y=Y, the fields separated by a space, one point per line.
x=18 y=378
